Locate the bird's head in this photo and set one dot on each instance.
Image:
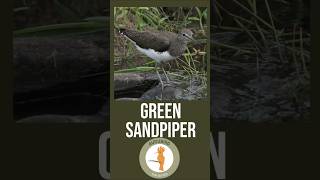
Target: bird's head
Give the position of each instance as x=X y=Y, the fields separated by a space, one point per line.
x=185 y=35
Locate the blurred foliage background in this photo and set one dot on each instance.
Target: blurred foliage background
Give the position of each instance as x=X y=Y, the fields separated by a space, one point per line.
x=264 y=31
x=59 y=17
x=261 y=60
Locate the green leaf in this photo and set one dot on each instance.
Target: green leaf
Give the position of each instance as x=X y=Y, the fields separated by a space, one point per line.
x=101 y=19
x=61 y=29
x=136 y=69
x=20 y=9
x=193 y=19
x=199 y=12
x=205 y=14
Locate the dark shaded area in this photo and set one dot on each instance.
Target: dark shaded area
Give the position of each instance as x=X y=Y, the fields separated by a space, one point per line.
x=260 y=66
x=52 y=80
x=31 y=13
x=60 y=71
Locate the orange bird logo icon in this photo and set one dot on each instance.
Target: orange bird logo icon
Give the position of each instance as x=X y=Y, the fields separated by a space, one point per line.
x=161 y=157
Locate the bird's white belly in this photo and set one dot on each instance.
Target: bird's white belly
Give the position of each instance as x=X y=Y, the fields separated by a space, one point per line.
x=157 y=56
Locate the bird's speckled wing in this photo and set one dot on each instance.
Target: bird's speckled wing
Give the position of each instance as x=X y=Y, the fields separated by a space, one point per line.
x=148 y=40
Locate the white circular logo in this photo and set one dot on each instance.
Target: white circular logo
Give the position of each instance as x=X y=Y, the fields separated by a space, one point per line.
x=159 y=158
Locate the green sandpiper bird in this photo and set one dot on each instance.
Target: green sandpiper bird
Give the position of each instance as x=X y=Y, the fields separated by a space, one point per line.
x=161 y=46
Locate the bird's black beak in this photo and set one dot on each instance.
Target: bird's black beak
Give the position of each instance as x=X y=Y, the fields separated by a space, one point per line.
x=190 y=38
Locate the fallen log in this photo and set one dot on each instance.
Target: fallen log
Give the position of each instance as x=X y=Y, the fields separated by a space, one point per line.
x=44 y=62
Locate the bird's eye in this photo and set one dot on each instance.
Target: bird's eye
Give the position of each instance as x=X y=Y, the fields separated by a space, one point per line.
x=183 y=34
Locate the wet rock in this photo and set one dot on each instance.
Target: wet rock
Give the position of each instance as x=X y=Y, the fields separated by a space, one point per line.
x=133 y=85
x=123 y=81
x=147 y=87
x=271 y=97
x=170 y=92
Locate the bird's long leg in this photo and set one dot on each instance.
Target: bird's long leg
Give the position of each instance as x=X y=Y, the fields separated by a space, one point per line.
x=162 y=86
x=165 y=73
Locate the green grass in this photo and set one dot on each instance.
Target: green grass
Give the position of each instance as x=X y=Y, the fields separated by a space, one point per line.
x=159 y=18
x=64 y=29
x=58 y=17
x=262 y=37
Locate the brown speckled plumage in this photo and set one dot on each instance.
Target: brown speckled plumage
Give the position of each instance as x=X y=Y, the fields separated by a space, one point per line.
x=160 y=41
